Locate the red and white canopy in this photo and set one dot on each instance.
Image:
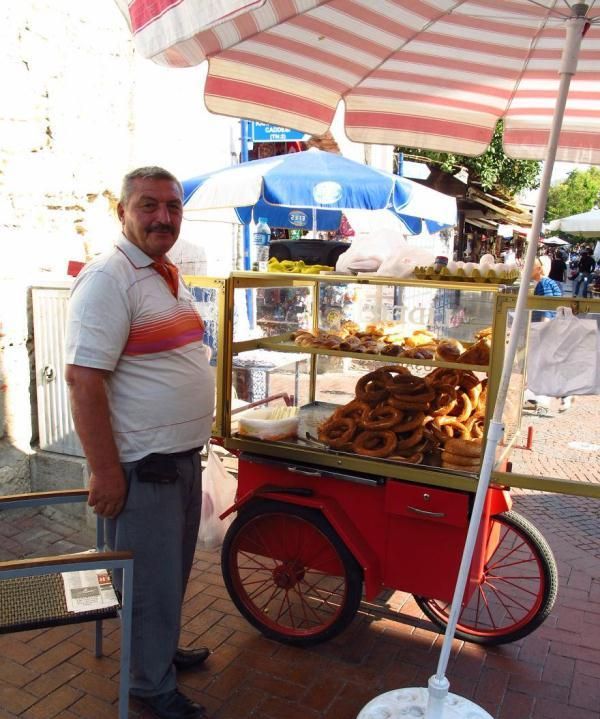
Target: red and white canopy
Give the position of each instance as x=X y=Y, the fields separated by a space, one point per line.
x=436 y=74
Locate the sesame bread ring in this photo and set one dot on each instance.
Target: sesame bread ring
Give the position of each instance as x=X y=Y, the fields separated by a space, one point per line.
x=353 y=409
x=409 y=422
x=476 y=426
x=380 y=417
x=444 y=401
x=464 y=447
x=449 y=427
x=338 y=432
x=379 y=443
x=460 y=459
x=373 y=386
x=443 y=375
x=406 y=442
x=395 y=369
x=412 y=458
x=409 y=404
x=467 y=379
x=463 y=409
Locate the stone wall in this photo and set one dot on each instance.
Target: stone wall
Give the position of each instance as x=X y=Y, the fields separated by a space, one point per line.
x=78 y=109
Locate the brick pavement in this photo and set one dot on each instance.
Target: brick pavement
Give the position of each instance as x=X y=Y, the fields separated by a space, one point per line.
x=553 y=673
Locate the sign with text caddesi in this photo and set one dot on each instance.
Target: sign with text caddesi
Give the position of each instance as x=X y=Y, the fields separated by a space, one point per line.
x=263 y=132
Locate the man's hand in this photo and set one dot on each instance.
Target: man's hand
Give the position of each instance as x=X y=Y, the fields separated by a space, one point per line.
x=108 y=492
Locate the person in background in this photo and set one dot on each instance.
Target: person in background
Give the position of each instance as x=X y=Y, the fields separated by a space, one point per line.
x=142 y=395
x=509 y=256
x=585 y=269
x=558 y=269
x=546 y=263
x=544 y=287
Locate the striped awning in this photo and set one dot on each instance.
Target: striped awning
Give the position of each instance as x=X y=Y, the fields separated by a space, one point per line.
x=434 y=74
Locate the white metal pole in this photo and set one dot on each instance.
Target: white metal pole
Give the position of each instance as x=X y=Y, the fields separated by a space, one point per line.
x=438 y=684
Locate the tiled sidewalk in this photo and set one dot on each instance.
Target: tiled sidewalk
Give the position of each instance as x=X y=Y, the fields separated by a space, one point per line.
x=553 y=673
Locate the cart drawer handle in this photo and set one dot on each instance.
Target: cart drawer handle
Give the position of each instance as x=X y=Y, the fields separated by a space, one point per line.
x=306 y=472
x=425 y=512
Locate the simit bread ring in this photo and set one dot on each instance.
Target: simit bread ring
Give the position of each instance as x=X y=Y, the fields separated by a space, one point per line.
x=395 y=370
x=448 y=427
x=460 y=459
x=379 y=443
x=464 y=447
x=409 y=422
x=462 y=410
x=353 y=409
x=380 y=417
x=476 y=426
x=337 y=432
x=409 y=457
x=444 y=401
x=373 y=386
x=407 y=440
x=467 y=379
x=443 y=376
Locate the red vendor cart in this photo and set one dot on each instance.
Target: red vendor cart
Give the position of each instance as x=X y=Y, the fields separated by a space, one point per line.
x=320 y=527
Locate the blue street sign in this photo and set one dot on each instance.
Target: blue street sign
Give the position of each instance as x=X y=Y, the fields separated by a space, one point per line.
x=263 y=132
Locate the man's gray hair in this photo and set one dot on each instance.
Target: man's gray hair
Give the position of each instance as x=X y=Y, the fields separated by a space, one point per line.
x=152 y=172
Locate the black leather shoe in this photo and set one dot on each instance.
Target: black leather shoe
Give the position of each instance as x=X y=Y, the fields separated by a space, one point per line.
x=188 y=658
x=173 y=705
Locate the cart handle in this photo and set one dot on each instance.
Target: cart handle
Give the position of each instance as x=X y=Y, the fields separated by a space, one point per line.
x=416 y=510
x=306 y=472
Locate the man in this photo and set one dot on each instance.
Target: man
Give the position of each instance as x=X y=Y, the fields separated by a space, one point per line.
x=585 y=269
x=545 y=287
x=142 y=395
x=558 y=269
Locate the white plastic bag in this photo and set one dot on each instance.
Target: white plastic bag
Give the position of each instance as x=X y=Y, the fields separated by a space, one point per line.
x=563 y=356
x=402 y=263
x=218 y=493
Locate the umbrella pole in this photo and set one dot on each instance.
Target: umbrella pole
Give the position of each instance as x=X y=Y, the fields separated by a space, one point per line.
x=437 y=706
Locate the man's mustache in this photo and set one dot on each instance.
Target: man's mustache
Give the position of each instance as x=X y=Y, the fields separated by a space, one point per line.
x=159 y=227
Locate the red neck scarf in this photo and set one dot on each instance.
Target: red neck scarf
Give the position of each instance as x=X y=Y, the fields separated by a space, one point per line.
x=169 y=272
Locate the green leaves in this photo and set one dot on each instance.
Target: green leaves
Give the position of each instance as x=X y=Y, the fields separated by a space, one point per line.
x=578 y=193
x=494 y=169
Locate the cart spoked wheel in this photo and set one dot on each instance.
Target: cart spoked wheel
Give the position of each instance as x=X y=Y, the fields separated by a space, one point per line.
x=289 y=573
x=516 y=591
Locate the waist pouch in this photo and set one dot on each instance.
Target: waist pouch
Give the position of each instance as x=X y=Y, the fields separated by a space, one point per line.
x=161 y=468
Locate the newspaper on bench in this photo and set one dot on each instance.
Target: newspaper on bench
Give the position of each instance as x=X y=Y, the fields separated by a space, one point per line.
x=89 y=590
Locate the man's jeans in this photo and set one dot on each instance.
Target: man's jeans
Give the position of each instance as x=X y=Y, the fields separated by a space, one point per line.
x=581 y=282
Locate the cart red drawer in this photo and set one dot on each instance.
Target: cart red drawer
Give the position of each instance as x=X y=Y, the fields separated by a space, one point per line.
x=426 y=531
x=431 y=504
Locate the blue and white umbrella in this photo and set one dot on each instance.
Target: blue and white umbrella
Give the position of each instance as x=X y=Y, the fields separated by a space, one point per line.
x=309 y=190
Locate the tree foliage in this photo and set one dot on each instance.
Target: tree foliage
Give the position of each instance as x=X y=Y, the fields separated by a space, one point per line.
x=578 y=193
x=493 y=169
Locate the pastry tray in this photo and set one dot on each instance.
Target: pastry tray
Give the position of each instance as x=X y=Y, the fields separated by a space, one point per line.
x=312 y=415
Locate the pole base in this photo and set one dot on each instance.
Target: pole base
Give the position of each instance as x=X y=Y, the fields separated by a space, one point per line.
x=411 y=703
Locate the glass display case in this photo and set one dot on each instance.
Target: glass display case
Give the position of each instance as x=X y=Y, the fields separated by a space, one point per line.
x=383 y=377
x=298 y=382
